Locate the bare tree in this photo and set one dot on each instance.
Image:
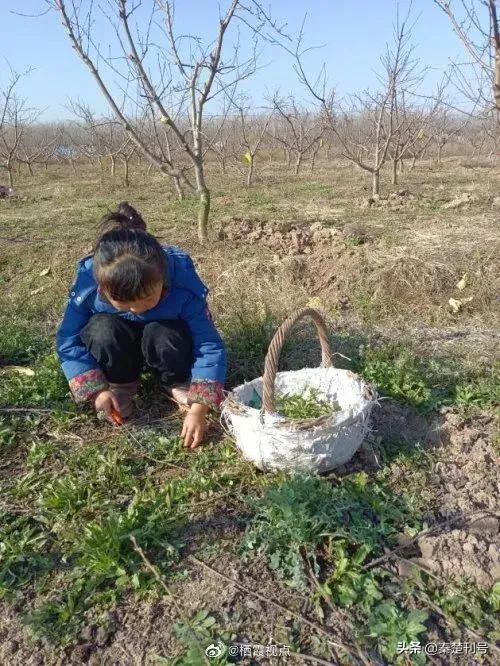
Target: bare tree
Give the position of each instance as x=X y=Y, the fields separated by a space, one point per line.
x=38 y=145
x=444 y=127
x=105 y=138
x=476 y=22
x=368 y=123
x=15 y=118
x=415 y=116
x=251 y=130
x=146 y=69
x=302 y=129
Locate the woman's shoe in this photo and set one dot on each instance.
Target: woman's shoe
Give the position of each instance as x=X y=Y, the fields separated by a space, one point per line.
x=124 y=394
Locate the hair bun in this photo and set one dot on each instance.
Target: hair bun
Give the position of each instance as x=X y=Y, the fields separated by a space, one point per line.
x=126 y=217
x=124 y=208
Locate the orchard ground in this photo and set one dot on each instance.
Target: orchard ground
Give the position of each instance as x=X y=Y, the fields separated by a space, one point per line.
x=117 y=546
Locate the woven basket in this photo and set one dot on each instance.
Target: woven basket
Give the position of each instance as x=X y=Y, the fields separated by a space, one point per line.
x=273 y=442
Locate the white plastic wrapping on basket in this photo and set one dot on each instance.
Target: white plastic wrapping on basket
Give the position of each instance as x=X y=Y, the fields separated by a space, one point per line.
x=314 y=449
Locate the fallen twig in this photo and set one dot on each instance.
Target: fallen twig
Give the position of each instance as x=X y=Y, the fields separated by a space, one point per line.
x=309 y=657
x=34 y=410
x=276 y=604
x=149 y=565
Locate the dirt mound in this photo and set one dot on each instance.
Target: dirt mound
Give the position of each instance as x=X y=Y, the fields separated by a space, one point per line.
x=399 y=199
x=464 y=486
x=283 y=239
x=321 y=258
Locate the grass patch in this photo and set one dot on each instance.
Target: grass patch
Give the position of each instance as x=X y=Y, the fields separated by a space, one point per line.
x=317 y=535
x=20 y=343
x=297 y=515
x=73 y=491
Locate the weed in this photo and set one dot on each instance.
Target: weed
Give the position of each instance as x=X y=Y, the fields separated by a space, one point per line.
x=353 y=241
x=298 y=515
x=23 y=551
x=479 y=393
x=202 y=636
x=390 y=625
x=348 y=583
x=58 y=619
x=365 y=305
x=398 y=373
x=38 y=453
x=247 y=336
x=48 y=387
x=21 y=343
x=308 y=405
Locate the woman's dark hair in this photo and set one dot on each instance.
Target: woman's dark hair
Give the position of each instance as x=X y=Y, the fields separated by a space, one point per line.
x=128 y=261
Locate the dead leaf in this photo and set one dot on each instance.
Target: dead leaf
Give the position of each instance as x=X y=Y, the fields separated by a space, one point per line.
x=456 y=304
x=45 y=272
x=21 y=369
x=314 y=302
x=34 y=292
x=461 y=284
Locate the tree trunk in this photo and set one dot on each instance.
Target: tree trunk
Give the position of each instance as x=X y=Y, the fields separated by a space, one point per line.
x=178 y=188
x=113 y=165
x=440 y=149
x=203 y=213
x=250 y=171
x=150 y=167
x=11 y=177
x=125 y=175
x=395 y=171
x=288 y=158
x=30 y=169
x=313 y=160
x=376 y=182
x=19 y=168
x=223 y=164
x=298 y=162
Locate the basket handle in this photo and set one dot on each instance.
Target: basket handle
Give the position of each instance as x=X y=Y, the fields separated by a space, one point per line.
x=274 y=351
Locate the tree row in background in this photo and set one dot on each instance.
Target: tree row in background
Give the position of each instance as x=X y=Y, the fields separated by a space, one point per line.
x=176 y=103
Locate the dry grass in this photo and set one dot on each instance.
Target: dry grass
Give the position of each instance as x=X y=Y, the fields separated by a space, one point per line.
x=399 y=280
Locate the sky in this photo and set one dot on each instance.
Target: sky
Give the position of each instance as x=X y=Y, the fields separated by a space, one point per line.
x=353 y=32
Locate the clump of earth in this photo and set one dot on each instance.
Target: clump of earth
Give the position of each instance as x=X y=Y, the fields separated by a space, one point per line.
x=399 y=199
x=327 y=261
x=284 y=238
x=466 y=483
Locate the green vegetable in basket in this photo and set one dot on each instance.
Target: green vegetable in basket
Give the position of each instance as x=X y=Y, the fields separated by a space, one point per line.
x=308 y=405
